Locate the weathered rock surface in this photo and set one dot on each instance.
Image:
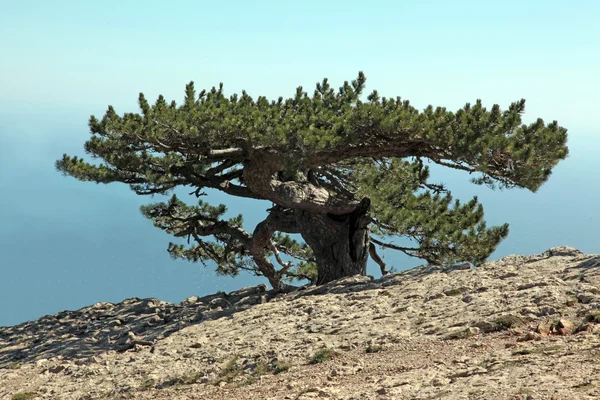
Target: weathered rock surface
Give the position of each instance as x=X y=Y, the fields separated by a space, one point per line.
x=522 y=327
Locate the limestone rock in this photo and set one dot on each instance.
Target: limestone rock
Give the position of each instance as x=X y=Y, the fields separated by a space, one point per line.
x=564 y=327
x=562 y=251
x=523 y=318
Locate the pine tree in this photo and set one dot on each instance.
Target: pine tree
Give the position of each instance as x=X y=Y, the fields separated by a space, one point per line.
x=346 y=174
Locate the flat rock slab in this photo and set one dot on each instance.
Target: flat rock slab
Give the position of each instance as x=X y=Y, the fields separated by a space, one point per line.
x=516 y=328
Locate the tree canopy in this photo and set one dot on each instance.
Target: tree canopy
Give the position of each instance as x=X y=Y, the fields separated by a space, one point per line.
x=343 y=171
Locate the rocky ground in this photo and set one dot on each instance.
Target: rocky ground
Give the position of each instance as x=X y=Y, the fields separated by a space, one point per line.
x=522 y=327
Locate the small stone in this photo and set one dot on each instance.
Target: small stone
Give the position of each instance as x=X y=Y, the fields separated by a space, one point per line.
x=485 y=326
x=456 y=291
x=528 y=336
x=528 y=311
x=564 y=327
x=381 y=391
x=562 y=251
x=585 y=298
x=544 y=311
x=440 y=382
x=41 y=362
x=56 y=369
x=155 y=320
x=190 y=301
x=508 y=275
x=434 y=297
x=473 y=330
x=530 y=285
x=543 y=328
x=463 y=333
x=248 y=291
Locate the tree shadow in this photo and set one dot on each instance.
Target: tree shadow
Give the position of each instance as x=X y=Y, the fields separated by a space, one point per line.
x=135 y=322
x=76 y=335
x=585 y=270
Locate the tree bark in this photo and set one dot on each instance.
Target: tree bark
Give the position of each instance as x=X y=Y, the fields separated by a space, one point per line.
x=340 y=243
x=277 y=220
x=259 y=171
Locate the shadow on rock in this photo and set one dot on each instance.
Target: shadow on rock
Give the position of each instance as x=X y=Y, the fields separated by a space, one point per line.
x=142 y=322
x=138 y=322
x=122 y=326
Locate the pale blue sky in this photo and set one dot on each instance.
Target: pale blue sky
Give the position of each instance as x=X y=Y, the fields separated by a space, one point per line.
x=65 y=244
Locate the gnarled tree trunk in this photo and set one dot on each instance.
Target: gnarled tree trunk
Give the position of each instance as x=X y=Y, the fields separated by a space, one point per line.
x=335 y=228
x=340 y=243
